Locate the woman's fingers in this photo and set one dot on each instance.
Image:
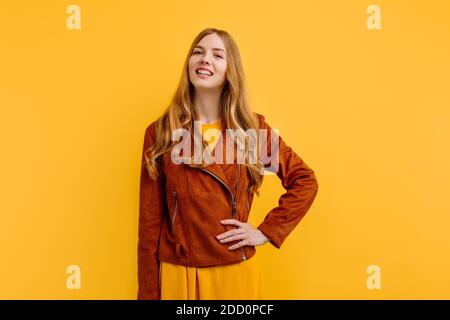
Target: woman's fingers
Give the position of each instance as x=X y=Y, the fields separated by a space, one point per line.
x=239 y=244
x=234 y=237
x=230 y=233
x=245 y=233
x=233 y=222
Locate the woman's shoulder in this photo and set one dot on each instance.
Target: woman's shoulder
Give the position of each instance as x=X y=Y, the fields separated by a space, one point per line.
x=261 y=119
x=258 y=115
x=151 y=128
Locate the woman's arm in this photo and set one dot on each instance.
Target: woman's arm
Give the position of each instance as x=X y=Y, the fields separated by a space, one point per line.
x=151 y=206
x=301 y=187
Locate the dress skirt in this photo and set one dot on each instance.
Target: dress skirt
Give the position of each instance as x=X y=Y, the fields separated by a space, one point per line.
x=239 y=281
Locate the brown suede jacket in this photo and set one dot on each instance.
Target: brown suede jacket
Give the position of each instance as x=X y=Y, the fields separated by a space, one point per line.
x=180 y=213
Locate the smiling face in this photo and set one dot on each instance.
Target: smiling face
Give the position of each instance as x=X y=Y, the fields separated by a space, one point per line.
x=208 y=64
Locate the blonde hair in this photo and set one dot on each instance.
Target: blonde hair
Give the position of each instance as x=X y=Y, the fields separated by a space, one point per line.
x=235 y=112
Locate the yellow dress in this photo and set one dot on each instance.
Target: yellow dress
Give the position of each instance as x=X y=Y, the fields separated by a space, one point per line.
x=216 y=125
x=239 y=281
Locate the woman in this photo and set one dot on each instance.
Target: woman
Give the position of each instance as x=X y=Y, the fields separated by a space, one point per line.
x=194 y=238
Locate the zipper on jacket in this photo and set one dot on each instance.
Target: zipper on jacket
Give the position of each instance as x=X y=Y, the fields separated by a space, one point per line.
x=232 y=198
x=244 y=257
x=248 y=202
x=175 y=207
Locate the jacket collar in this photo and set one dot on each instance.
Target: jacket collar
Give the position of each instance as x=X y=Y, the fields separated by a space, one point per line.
x=217 y=169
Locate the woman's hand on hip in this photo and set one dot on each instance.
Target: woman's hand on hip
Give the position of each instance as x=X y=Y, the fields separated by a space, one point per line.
x=248 y=235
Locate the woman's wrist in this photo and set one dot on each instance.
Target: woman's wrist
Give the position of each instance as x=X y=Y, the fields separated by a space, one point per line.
x=263 y=236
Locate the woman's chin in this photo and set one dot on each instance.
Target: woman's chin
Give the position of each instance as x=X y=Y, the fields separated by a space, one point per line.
x=203 y=85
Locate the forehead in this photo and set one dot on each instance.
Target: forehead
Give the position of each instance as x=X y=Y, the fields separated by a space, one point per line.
x=211 y=41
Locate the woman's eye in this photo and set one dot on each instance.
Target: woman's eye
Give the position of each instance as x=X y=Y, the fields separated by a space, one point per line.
x=217 y=55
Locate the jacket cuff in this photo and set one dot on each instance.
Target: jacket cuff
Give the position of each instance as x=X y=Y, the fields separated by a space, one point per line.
x=270 y=231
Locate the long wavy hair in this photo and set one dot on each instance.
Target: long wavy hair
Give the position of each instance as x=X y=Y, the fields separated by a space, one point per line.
x=235 y=111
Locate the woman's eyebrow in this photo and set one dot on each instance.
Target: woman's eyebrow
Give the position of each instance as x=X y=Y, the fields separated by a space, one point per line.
x=212 y=48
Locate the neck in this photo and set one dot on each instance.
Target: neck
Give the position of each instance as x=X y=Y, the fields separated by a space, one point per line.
x=207 y=105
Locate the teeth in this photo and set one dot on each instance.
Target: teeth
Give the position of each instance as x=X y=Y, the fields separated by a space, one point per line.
x=204 y=72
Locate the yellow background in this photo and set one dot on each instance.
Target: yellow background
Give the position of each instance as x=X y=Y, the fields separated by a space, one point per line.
x=368 y=110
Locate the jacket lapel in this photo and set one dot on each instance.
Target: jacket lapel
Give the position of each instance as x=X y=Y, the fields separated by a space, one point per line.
x=216 y=169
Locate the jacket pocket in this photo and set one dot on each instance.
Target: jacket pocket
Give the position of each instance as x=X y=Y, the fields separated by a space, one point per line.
x=174 y=208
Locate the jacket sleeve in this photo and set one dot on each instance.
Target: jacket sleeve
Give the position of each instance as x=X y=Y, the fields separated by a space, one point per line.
x=151 y=200
x=301 y=187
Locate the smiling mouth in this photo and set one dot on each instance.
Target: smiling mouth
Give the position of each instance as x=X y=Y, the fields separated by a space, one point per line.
x=203 y=72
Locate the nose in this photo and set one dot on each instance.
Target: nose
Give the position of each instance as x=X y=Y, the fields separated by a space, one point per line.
x=205 y=59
